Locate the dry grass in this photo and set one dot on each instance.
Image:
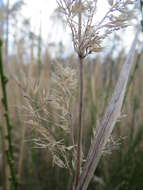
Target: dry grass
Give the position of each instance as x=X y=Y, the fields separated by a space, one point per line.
x=45 y=112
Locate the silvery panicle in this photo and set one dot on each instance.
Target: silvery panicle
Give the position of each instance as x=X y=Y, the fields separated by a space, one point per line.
x=93 y=32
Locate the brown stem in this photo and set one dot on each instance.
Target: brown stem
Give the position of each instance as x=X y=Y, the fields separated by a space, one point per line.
x=79 y=145
x=79 y=139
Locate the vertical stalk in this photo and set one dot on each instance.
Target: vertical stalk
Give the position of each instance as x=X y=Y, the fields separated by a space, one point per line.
x=5 y=166
x=32 y=48
x=7 y=33
x=1 y=19
x=79 y=145
x=21 y=156
x=9 y=152
x=39 y=50
x=79 y=139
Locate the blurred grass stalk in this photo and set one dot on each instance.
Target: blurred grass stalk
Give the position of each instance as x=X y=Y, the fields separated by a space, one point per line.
x=39 y=50
x=7 y=138
x=80 y=117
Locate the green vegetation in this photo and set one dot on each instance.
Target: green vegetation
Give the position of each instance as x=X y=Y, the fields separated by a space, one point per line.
x=9 y=152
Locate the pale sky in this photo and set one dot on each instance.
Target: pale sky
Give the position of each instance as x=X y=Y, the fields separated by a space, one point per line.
x=51 y=31
x=32 y=10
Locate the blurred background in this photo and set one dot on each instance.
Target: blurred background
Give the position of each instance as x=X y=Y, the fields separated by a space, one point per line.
x=36 y=37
